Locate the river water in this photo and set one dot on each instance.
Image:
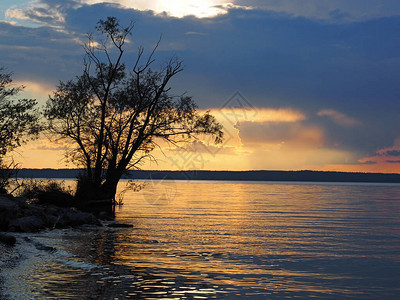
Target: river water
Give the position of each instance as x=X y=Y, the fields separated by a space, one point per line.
x=225 y=240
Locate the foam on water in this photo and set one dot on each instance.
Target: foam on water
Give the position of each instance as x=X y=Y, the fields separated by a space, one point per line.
x=17 y=282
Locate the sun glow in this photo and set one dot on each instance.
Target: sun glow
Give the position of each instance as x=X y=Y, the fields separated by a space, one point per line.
x=199 y=9
x=176 y=8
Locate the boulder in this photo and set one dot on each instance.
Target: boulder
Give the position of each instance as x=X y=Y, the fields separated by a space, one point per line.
x=18 y=216
x=26 y=224
x=72 y=218
x=6 y=204
x=51 y=220
x=7 y=239
x=53 y=210
x=8 y=211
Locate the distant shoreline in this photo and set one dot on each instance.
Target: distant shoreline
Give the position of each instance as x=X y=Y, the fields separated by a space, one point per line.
x=289 y=176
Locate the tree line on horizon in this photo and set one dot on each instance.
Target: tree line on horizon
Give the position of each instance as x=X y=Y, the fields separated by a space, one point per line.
x=112 y=116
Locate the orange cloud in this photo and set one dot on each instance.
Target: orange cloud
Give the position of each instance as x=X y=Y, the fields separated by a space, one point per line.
x=288 y=134
x=390 y=151
x=385 y=160
x=235 y=115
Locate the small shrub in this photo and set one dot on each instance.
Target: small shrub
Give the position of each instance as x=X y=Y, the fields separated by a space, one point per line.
x=47 y=192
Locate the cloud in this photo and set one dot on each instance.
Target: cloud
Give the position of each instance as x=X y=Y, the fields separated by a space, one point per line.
x=35 y=89
x=178 y=8
x=237 y=115
x=392 y=151
x=367 y=162
x=330 y=10
x=384 y=159
x=39 y=54
x=44 y=143
x=338 y=117
x=202 y=146
x=393 y=161
x=287 y=135
x=298 y=159
x=51 y=13
x=46 y=15
x=54 y=12
x=388 y=152
x=257 y=51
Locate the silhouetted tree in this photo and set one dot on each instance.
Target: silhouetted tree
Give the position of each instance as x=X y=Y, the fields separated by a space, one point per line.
x=19 y=121
x=115 y=116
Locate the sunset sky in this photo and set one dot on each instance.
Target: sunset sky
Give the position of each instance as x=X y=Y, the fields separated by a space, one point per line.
x=311 y=84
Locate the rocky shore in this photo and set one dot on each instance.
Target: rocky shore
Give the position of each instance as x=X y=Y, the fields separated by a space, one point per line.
x=21 y=223
x=16 y=215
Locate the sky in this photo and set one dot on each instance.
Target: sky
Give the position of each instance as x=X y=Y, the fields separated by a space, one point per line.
x=310 y=84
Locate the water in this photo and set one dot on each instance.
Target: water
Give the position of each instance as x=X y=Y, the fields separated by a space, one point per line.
x=201 y=240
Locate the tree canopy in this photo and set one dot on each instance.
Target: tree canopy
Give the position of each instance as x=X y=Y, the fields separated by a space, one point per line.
x=19 y=121
x=116 y=113
x=18 y=117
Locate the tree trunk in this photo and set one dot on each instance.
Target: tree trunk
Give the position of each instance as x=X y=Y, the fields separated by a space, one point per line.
x=93 y=197
x=96 y=197
x=109 y=188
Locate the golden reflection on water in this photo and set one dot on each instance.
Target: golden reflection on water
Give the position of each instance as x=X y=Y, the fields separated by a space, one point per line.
x=265 y=237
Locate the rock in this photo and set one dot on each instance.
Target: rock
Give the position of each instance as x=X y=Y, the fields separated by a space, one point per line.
x=40 y=246
x=51 y=220
x=20 y=200
x=53 y=210
x=26 y=224
x=18 y=216
x=105 y=216
x=7 y=239
x=7 y=204
x=8 y=210
x=72 y=218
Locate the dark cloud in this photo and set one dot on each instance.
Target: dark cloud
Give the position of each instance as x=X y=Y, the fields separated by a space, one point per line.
x=393 y=161
x=273 y=59
x=330 y=10
x=39 y=54
x=368 y=162
x=390 y=153
x=363 y=138
x=262 y=55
